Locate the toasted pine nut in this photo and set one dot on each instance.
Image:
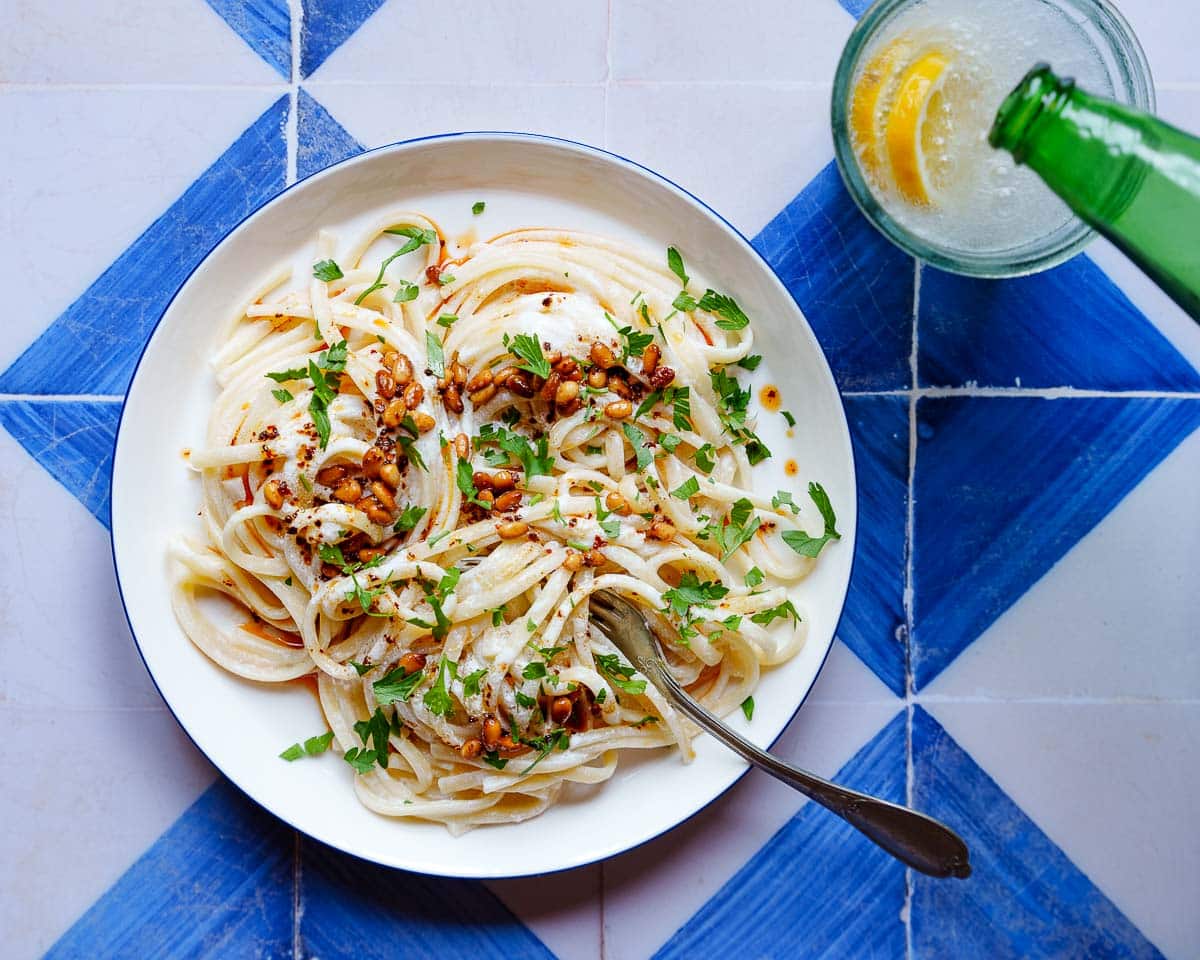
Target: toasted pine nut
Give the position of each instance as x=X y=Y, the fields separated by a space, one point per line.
x=566 y=366
x=602 y=356
x=485 y=497
x=504 y=480
x=617 y=503
x=402 y=371
x=618 y=409
x=553 y=356
x=567 y=391
x=490 y=732
x=483 y=395
x=385 y=384
x=452 y=399
x=348 y=491
x=394 y=413
x=620 y=386
x=471 y=749
x=374 y=510
x=597 y=378
x=662 y=377
x=482 y=480
x=458 y=373
x=574 y=561
x=424 y=422
x=482 y=379
x=462 y=446
x=594 y=558
x=650 y=357
x=384 y=495
x=410 y=663
x=272 y=494
x=329 y=571
x=389 y=359
x=389 y=473
x=661 y=530
x=372 y=461
x=560 y=709
x=512 y=529
x=332 y=475
x=414 y=393
x=367 y=554
x=550 y=387
x=521 y=384
x=508 y=501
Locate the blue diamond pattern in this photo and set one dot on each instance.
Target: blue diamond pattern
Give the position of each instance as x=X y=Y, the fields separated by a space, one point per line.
x=265 y=25
x=321 y=140
x=327 y=25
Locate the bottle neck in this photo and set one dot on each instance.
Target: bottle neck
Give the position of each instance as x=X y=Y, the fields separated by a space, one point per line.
x=1037 y=100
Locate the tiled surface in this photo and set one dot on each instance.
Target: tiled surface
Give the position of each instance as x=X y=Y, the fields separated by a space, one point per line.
x=1019 y=651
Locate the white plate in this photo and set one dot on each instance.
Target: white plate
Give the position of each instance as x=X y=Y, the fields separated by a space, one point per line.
x=526 y=181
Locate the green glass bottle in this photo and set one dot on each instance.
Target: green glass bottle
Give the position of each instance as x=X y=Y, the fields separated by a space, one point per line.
x=1127 y=174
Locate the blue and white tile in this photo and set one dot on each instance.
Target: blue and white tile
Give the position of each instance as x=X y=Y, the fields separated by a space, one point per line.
x=141 y=41
x=1111 y=615
x=713 y=41
x=386 y=111
x=1082 y=828
x=85 y=173
x=747 y=176
x=461 y=42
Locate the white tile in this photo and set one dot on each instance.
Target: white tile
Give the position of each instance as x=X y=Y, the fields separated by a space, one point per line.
x=1167 y=31
x=1181 y=108
x=138 y=41
x=758 y=41
x=460 y=41
x=563 y=909
x=744 y=149
x=1114 y=785
x=1116 y=617
x=384 y=113
x=846 y=679
x=65 y=639
x=651 y=892
x=85 y=172
x=85 y=793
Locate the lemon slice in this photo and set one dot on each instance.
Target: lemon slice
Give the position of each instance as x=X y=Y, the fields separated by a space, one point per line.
x=868 y=107
x=908 y=132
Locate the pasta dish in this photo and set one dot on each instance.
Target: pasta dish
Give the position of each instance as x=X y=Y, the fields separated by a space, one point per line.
x=419 y=468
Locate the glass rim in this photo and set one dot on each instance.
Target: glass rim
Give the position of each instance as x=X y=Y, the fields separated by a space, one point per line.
x=1133 y=84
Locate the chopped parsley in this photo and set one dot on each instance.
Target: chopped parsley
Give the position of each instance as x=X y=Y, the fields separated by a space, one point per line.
x=689 y=488
x=675 y=264
x=739 y=528
x=534 y=670
x=417 y=237
x=784 y=498
x=309 y=748
x=692 y=591
x=670 y=441
x=472 y=682
x=800 y=541
x=374 y=732
x=781 y=612
x=751 y=362
x=327 y=270
x=445 y=278
x=477 y=207
x=437 y=698
x=733 y=409
x=637 y=440
x=557 y=739
x=705 y=457
x=748 y=708
x=619 y=673
x=726 y=308
x=466 y=484
x=409 y=517
x=447 y=320
x=282 y=395
x=684 y=302
x=332 y=554
x=535 y=460
x=526 y=347
x=396 y=685
x=791 y=421
x=437 y=358
x=406 y=291
x=498 y=615
x=753 y=577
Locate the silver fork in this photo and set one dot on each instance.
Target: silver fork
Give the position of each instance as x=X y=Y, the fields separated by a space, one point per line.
x=912 y=838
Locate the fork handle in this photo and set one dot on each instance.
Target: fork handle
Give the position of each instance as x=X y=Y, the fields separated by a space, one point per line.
x=913 y=838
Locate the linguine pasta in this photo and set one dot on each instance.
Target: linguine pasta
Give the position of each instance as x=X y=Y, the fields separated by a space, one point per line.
x=419 y=469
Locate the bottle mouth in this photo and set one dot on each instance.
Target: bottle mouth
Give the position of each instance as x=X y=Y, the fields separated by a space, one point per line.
x=1038 y=90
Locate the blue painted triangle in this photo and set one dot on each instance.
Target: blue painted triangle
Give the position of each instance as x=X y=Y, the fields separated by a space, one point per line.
x=1024 y=899
x=73 y=440
x=219 y=883
x=855 y=288
x=1004 y=487
x=320 y=140
x=354 y=909
x=1067 y=327
x=327 y=25
x=265 y=25
x=856 y=8
x=873 y=619
x=93 y=346
x=848 y=900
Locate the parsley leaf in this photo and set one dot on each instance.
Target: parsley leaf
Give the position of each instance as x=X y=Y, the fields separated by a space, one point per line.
x=726 y=308
x=782 y=498
x=477 y=207
x=791 y=421
x=670 y=441
x=437 y=698
x=447 y=320
x=684 y=302
x=675 y=263
x=689 y=488
x=681 y=405
x=327 y=270
x=526 y=347
x=753 y=577
x=493 y=759
x=283 y=376
x=705 y=457
x=472 y=682
x=406 y=292
x=800 y=541
x=311 y=747
x=692 y=591
x=748 y=708
x=374 y=731
x=534 y=670
x=283 y=396
x=637 y=440
x=781 y=612
x=409 y=517
x=396 y=685
x=740 y=527
x=633 y=343
x=361 y=760
x=619 y=673
x=417 y=237
x=524 y=699
x=559 y=739
x=465 y=478
x=611 y=528
x=437 y=358
x=750 y=363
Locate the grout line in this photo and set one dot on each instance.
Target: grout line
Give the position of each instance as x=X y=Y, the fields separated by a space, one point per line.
x=291 y=134
x=1044 y=393
x=603 y=942
x=101 y=87
x=296 y=945
x=908 y=594
x=61 y=398
x=607 y=75
x=1062 y=701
